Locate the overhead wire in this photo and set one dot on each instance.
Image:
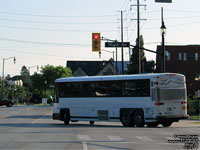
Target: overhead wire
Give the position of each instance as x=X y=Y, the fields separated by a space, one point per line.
x=35 y=15
x=44 y=43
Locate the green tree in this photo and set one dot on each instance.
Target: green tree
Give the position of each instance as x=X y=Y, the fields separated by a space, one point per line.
x=25 y=76
x=51 y=73
x=146 y=66
x=42 y=83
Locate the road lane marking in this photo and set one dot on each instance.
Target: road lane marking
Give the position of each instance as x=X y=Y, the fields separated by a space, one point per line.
x=83 y=137
x=145 y=138
x=114 y=138
x=36 y=121
x=85 y=147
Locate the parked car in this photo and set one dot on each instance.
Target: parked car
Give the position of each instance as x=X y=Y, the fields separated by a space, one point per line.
x=7 y=102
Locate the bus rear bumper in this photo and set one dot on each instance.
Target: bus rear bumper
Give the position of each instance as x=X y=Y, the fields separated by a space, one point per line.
x=171 y=118
x=56 y=116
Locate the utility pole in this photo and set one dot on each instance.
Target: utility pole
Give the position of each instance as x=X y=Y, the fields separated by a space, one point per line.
x=116 y=61
x=138 y=34
x=122 y=42
x=4 y=59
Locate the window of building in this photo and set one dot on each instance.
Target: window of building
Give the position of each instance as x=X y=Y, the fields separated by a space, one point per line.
x=168 y=56
x=184 y=56
x=196 y=56
x=180 y=56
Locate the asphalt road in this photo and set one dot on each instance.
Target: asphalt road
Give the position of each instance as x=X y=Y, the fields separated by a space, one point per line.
x=32 y=128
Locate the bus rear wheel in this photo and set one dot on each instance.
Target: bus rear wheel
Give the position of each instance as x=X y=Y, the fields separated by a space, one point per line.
x=66 y=118
x=126 y=119
x=138 y=119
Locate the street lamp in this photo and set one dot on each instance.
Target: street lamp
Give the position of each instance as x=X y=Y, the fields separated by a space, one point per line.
x=163 y=33
x=4 y=59
x=29 y=71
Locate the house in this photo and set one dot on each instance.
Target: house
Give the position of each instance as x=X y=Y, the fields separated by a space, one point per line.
x=184 y=59
x=16 y=81
x=95 y=68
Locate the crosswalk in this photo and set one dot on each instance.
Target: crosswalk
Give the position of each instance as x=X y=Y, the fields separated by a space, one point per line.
x=87 y=141
x=104 y=138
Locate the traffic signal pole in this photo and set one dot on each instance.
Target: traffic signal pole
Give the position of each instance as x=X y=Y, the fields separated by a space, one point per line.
x=122 y=42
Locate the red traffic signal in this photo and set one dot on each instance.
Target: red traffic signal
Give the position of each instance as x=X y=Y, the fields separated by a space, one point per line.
x=96 y=42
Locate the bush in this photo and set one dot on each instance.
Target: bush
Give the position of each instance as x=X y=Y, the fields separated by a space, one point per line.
x=193 y=106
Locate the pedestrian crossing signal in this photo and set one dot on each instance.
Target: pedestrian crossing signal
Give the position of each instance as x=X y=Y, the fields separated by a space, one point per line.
x=96 y=42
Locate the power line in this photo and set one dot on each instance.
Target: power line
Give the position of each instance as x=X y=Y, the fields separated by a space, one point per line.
x=43 y=43
x=57 y=30
x=35 y=15
x=47 y=22
x=171 y=26
x=41 y=54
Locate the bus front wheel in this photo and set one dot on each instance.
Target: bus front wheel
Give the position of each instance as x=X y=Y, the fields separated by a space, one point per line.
x=138 y=119
x=91 y=122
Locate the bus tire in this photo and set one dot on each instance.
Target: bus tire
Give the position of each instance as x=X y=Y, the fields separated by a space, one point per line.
x=138 y=119
x=66 y=118
x=91 y=122
x=152 y=124
x=166 y=123
x=127 y=119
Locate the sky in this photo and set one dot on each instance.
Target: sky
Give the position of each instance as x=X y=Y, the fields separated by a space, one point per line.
x=41 y=32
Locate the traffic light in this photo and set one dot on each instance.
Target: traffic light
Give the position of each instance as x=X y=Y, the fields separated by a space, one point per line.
x=96 y=42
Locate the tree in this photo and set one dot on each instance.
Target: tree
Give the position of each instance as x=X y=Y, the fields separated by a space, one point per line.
x=7 y=77
x=25 y=76
x=51 y=73
x=24 y=71
x=41 y=83
x=146 y=66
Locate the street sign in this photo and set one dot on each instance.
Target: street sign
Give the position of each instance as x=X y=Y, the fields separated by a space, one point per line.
x=44 y=101
x=163 y=1
x=117 y=44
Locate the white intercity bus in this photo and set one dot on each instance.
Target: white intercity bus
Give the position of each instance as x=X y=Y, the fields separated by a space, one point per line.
x=134 y=100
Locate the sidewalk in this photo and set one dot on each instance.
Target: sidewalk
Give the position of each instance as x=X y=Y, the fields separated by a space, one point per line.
x=187 y=123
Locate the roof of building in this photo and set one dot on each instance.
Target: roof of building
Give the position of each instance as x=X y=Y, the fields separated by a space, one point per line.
x=92 y=68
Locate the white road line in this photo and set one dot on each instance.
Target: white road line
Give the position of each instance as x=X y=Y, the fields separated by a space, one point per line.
x=85 y=147
x=114 y=138
x=83 y=137
x=145 y=138
x=35 y=121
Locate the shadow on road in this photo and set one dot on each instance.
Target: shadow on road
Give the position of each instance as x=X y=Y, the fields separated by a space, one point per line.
x=56 y=125
x=29 y=117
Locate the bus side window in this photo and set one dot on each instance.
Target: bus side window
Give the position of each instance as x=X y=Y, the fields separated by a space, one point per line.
x=85 y=90
x=115 y=88
x=137 y=88
x=101 y=89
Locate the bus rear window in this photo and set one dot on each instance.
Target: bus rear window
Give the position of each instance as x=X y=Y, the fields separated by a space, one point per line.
x=172 y=94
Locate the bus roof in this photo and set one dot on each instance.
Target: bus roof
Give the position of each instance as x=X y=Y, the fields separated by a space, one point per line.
x=113 y=77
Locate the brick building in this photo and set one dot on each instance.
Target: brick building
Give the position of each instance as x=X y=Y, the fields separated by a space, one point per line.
x=184 y=60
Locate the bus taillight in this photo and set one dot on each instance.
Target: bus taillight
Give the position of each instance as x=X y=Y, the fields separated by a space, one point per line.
x=184 y=102
x=159 y=103
x=155 y=83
